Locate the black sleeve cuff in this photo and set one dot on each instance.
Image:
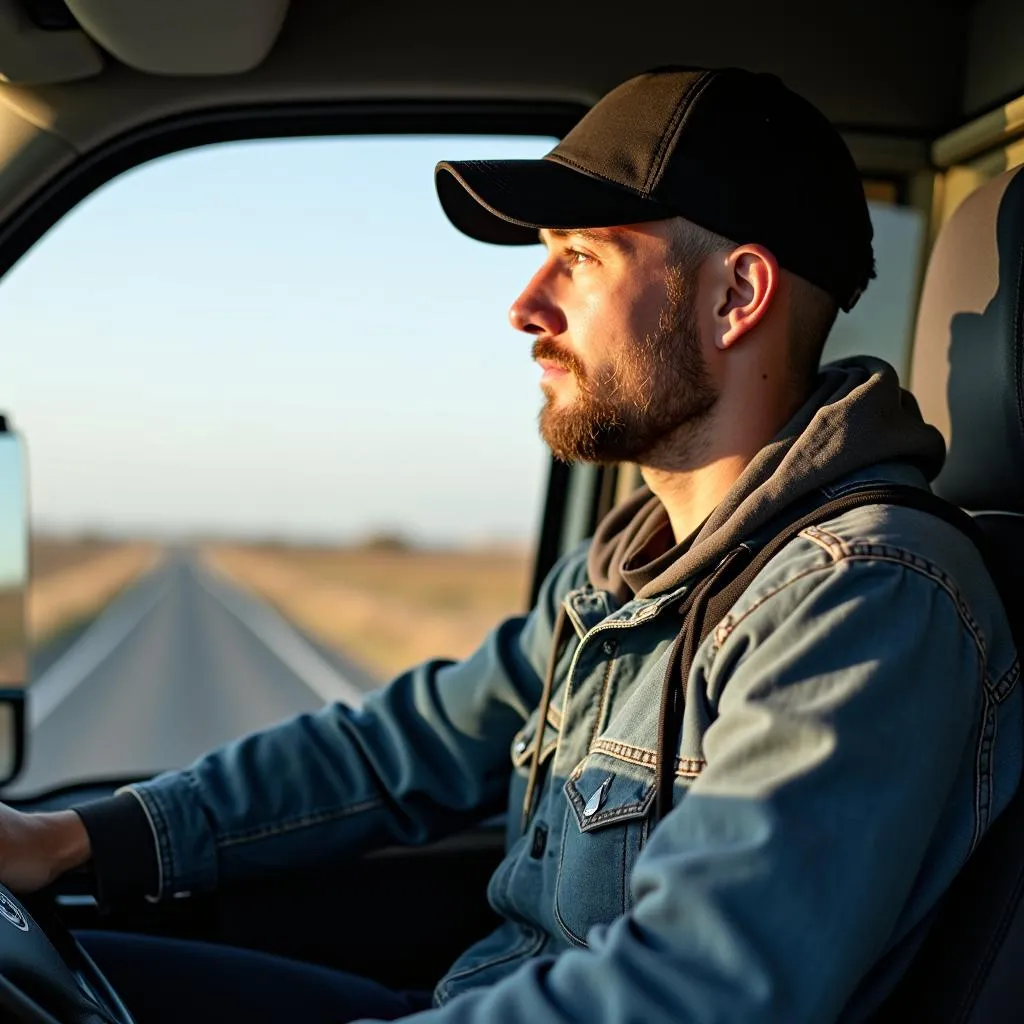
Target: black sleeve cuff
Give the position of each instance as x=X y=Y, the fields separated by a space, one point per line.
x=124 y=856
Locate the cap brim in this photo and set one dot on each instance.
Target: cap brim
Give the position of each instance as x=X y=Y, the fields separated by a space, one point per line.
x=507 y=201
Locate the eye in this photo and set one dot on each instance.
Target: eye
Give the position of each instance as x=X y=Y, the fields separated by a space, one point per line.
x=576 y=258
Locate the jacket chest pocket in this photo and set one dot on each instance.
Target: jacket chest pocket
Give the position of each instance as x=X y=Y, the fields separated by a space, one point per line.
x=605 y=827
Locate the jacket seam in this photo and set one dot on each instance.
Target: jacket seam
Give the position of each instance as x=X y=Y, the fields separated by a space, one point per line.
x=983 y=771
x=575 y=939
x=602 y=701
x=816 y=537
x=937 y=576
x=726 y=627
x=835 y=546
x=164 y=848
x=850 y=486
x=1006 y=682
x=881 y=553
x=530 y=945
x=554 y=716
x=1017 y=319
x=574 y=617
x=568 y=690
x=307 y=821
x=686 y=767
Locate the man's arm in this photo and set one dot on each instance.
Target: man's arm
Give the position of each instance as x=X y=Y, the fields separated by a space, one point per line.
x=850 y=713
x=426 y=755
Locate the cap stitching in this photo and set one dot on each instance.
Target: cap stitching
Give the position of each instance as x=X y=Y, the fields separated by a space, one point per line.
x=486 y=205
x=672 y=129
x=590 y=173
x=526 y=224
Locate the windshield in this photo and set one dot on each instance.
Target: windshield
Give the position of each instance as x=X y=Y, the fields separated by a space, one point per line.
x=282 y=443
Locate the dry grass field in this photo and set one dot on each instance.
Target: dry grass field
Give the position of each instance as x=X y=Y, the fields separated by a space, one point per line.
x=13 y=667
x=386 y=609
x=52 y=554
x=73 y=580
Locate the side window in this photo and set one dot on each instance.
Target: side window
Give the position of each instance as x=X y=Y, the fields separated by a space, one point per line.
x=882 y=322
x=282 y=443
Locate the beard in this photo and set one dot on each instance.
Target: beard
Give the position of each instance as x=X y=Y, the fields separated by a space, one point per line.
x=628 y=407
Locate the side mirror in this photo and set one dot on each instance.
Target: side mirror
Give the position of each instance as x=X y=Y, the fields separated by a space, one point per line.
x=14 y=572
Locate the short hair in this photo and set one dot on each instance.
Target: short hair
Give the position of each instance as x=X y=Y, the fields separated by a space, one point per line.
x=813 y=314
x=691 y=245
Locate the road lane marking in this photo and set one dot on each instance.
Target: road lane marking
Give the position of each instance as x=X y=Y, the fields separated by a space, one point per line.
x=88 y=652
x=283 y=641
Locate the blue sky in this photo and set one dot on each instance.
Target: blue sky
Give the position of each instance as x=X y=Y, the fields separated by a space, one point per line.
x=276 y=337
x=288 y=338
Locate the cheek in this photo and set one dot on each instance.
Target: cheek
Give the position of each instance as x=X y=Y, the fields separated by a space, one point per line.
x=646 y=303
x=602 y=319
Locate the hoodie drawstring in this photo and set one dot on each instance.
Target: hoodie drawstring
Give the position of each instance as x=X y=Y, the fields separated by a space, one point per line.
x=557 y=643
x=673 y=693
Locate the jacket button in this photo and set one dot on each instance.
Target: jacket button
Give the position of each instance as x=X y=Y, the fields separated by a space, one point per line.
x=520 y=747
x=540 y=842
x=608 y=647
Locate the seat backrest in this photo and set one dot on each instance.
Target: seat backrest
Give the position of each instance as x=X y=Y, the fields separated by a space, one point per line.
x=968 y=377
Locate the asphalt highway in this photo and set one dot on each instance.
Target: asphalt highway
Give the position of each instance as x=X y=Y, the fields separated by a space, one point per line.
x=179 y=663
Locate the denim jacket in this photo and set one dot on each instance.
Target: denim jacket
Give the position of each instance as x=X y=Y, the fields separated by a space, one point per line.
x=851 y=729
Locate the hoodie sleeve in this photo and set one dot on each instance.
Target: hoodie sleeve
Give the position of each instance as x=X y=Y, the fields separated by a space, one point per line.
x=425 y=756
x=845 y=735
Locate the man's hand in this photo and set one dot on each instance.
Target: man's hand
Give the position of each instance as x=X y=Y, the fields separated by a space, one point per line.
x=35 y=849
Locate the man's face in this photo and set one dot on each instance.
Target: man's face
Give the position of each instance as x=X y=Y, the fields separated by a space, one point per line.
x=613 y=316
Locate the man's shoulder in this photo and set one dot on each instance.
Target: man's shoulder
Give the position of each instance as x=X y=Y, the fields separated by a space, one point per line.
x=899 y=535
x=885 y=533
x=891 y=540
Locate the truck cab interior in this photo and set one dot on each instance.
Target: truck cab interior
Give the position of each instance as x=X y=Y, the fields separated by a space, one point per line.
x=930 y=98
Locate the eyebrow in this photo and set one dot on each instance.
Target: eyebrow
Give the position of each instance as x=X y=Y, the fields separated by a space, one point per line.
x=600 y=235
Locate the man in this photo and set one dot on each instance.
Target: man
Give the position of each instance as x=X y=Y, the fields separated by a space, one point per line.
x=848 y=730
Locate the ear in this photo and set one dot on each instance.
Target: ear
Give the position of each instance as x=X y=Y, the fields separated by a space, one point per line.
x=748 y=286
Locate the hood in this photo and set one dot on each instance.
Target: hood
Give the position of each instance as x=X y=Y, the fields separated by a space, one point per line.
x=858 y=416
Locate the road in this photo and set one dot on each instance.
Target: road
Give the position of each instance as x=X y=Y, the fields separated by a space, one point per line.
x=180 y=662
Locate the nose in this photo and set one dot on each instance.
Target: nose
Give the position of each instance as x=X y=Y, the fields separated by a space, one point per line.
x=535 y=310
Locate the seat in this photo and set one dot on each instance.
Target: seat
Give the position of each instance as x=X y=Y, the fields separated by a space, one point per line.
x=968 y=375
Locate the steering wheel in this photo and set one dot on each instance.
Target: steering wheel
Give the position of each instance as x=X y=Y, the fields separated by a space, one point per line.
x=46 y=977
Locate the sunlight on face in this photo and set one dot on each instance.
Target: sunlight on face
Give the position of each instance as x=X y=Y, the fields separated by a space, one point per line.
x=616 y=338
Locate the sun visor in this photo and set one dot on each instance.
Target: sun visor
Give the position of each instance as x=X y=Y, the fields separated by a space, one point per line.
x=183 y=37
x=29 y=55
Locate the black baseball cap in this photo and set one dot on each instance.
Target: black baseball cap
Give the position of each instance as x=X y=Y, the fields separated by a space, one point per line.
x=733 y=151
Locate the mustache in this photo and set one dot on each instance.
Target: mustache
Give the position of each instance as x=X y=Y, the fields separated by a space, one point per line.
x=545 y=348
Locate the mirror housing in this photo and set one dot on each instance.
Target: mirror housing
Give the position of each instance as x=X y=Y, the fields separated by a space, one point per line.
x=14 y=580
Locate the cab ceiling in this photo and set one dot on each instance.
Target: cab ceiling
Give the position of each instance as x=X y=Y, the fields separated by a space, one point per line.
x=890 y=66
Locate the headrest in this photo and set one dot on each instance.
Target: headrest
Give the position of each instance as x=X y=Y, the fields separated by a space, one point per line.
x=966 y=369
